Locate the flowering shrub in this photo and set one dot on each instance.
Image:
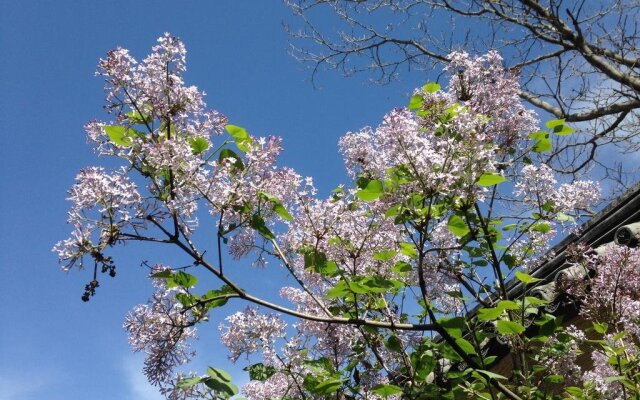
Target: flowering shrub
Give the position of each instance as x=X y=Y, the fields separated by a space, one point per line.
x=398 y=282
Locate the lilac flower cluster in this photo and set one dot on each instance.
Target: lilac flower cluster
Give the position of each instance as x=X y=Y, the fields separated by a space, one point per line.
x=445 y=157
x=483 y=84
x=156 y=88
x=158 y=122
x=610 y=299
x=103 y=205
x=537 y=186
x=537 y=191
x=249 y=332
x=611 y=296
x=429 y=162
x=560 y=356
x=441 y=164
x=162 y=330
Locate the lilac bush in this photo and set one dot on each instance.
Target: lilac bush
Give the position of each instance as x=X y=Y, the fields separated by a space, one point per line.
x=450 y=201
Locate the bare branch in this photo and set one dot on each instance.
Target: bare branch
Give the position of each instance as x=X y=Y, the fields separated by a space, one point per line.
x=577 y=60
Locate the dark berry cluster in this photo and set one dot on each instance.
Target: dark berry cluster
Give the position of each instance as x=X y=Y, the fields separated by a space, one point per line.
x=106 y=265
x=90 y=290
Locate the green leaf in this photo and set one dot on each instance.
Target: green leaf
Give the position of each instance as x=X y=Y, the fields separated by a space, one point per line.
x=415 y=103
x=509 y=327
x=362 y=182
x=563 y=130
x=241 y=136
x=221 y=386
x=526 y=278
x=542 y=227
x=329 y=386
x=600 y=328
x=562 y=217
x=185 y=299
x=509 y=227
x=359 y=288
x=424 y=363
x=258 y=224
x=394 y=344
x=575 y=391
x=507 y=305
x=341 y=289
x=386 y=390
x=555 y=378
x=431 y=87
x=490 y=374
x=198 y=144
x=489 y=314
x=551 y=124
x=278 y=208
x=543 y=143
x=320 y=366
x=228 y=153
x=456 y=294
x=164 y=274
x=490 y=360
x=454 y=326
x=317 y=261
x=534 y=301
x=558 y=127
x=490 y=179
x=408 y=249
x=619 y=336
x=237 y=132
x=189 y=382
x=118 y=135
x=393 y=211
x=137 y=118
x=385 y=255
x=457 y=226
x=268 y=197
x=547 y=324
x=184 y=279
x=399 y=174
x=220 y=380
x=389 y=285
x=219 y=374
x=260 y=372
x=372 y=191
x=466 y=346
x=509 y=260
x=402 y=267
x=212 y=294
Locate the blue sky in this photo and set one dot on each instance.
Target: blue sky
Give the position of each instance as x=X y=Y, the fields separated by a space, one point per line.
x=52 y=345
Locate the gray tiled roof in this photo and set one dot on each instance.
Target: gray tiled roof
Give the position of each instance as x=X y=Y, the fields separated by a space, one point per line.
x=600 y=230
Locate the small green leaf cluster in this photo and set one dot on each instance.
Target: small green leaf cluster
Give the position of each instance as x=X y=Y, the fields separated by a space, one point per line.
x=542 y=139
x=216 y=384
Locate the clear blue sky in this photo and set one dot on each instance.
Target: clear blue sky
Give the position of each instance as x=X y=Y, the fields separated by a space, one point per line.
x=52 y=345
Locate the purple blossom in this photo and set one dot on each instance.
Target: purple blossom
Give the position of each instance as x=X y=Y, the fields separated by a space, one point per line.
x=249 y=332
x=611 y=296
x=538 y=186
x=483 y=84
x=277 y=386
x=161 y=329
x=103 y=205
